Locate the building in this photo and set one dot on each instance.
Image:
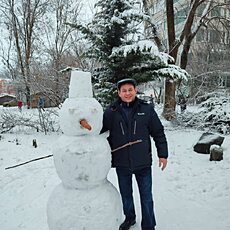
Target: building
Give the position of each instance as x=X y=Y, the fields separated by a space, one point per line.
x=6 y=87
x=215 y=33
x=211 y=45
x=6 y=98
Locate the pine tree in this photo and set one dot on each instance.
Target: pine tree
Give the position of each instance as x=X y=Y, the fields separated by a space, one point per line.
x=117 y=41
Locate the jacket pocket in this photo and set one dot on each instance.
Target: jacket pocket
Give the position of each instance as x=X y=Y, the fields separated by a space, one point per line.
x=122 y=128
x=135 y=127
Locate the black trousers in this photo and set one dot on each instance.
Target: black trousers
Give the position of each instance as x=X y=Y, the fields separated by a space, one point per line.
x=144 y=182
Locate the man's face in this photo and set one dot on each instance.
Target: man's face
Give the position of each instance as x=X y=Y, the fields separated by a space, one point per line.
x=127 y=92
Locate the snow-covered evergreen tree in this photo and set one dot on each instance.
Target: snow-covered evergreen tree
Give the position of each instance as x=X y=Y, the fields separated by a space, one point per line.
x=118 y=42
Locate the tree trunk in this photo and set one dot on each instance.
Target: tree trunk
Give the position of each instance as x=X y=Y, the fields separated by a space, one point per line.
x=170 y=85
x=171 y=29
x=184 y=55
x=170 y=102
x=28 y=97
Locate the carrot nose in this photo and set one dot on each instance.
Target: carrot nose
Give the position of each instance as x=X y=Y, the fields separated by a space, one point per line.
x=85 y=124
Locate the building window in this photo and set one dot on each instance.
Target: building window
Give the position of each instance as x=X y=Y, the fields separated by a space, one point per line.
x=181 y=15
x=200 y=10
x=227 y=81
x=227 y=37
x=200 y=36
x=214 y=36
x=216 y=12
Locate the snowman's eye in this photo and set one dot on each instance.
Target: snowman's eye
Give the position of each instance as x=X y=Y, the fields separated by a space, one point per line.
x=94 y=110
x=71 y=111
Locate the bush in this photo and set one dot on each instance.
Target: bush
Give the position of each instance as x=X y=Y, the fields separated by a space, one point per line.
x=212 y=114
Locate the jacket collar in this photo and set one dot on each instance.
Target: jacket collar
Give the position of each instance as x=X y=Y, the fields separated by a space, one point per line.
x=117 y=105
x=128 y=104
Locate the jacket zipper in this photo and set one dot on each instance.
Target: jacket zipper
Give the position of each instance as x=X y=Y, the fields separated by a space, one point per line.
x=135 y=127
x=122 y=128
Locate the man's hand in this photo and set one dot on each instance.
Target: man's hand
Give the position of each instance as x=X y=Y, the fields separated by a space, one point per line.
x=162 y=163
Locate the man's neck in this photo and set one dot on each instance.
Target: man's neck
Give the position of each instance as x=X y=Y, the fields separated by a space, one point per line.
x=128 y=104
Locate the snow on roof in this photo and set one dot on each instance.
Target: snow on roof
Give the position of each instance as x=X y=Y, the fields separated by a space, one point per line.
x=5 y=79
x=6 y=94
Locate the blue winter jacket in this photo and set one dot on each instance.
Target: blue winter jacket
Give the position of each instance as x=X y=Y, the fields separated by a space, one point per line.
x=130 y=131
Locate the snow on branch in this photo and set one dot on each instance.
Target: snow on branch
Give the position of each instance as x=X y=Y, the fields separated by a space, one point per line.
x=142 y=46
x=134 y=13
x=174 y=72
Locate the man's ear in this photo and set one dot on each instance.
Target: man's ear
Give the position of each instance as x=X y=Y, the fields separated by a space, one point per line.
x=118 y=92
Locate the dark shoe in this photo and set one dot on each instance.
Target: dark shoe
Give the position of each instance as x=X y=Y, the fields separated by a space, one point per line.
x=127 y=224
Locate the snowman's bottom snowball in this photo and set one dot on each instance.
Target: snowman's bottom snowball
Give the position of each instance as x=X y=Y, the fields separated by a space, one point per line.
x=98 y=208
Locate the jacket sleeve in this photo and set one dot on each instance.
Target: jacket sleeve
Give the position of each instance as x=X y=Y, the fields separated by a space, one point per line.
x=157 y=132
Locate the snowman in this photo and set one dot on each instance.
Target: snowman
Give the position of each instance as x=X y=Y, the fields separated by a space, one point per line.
x=85 y=199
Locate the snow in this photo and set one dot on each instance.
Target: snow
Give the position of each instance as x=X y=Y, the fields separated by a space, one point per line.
x=174 y=72
x=191 y=193
x=213 y=114
x=117 y=20
x=74 y=211
x=215 y=147
x=80 y=85
x=80 y=105
x=76 y=172
x=73 y=110
x=208 y=139
x=6 y=94
x=142 y=46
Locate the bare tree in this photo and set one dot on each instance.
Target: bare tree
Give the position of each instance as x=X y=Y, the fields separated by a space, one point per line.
x=58 y=39
x=21 y=18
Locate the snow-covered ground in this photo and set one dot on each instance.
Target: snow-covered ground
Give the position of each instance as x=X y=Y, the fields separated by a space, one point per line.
x=193 y=193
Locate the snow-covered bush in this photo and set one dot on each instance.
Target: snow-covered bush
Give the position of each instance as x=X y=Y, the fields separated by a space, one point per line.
x=212 y=114
x=43 y=121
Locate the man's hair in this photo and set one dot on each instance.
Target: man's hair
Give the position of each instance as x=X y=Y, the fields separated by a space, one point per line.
x=126 y=81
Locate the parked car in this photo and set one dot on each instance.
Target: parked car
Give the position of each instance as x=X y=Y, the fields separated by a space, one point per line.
x=11 y=103
x=148 y=99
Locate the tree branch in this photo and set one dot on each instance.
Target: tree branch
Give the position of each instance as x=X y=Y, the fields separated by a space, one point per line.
x=27 y=162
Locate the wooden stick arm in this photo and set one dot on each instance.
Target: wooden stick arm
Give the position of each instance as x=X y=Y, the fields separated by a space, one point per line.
x=126 y=145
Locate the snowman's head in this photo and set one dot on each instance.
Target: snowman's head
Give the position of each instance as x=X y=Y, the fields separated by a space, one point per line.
x=73 y=113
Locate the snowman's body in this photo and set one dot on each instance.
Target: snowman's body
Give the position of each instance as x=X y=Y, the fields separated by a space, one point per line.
x=85 y=200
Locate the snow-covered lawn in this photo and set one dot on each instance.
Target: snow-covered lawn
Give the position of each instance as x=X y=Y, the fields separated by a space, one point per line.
x=193 y=193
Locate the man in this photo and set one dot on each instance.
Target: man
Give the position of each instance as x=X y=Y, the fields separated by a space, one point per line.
x=41 y=103
x=131 y=122
x=20 y=105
